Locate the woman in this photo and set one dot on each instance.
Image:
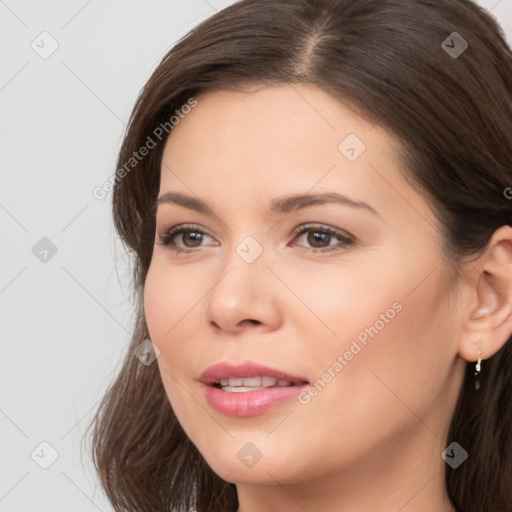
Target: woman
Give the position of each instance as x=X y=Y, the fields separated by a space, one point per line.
x=316 y=195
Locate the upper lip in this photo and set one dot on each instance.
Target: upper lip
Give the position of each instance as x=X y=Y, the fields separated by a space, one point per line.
x=220 y=371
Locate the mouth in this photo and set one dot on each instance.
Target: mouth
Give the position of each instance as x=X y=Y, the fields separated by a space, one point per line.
x=249 y=389
x=240 y=384
x=248 y=376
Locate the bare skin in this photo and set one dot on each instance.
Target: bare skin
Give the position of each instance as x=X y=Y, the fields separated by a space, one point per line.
x=372 y=437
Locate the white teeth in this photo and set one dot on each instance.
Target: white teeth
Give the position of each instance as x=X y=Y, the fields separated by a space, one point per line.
x=268 y=381
x=240 y=389
x=253 y=382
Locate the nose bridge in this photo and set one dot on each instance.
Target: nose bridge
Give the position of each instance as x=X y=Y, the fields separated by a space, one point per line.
x=244 y=288
x=244 y=269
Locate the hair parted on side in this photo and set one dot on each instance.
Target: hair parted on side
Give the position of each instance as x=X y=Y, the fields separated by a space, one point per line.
x=453 y=116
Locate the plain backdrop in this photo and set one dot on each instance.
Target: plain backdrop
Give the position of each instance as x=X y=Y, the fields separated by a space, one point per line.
x=69 y=76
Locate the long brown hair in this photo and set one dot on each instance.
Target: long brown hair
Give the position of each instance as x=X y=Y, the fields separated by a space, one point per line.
x=388 y=60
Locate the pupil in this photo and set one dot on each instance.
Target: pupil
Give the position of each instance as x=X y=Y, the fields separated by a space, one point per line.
x=193 y=236
x=315 y=236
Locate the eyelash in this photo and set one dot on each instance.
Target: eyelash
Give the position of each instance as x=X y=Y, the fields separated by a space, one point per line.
x=347 y=241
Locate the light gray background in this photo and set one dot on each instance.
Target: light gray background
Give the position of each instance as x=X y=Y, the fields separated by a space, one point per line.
x=65 y=322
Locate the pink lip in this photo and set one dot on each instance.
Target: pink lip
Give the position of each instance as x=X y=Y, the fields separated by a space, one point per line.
x=248 y=403
x=226 y=371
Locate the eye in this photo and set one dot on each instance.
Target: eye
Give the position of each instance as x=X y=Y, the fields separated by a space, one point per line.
x=191 y=237
x=320 y=238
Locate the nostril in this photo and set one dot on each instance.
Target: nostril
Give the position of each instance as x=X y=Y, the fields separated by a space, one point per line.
x=240 y=324
x=253 y=322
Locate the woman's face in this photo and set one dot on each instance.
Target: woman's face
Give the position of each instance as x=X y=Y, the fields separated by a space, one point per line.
x=351 y=295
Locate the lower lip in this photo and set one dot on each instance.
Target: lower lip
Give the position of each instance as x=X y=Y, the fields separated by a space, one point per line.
x=250 y=403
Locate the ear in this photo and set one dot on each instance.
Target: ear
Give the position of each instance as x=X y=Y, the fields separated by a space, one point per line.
x=489 y=323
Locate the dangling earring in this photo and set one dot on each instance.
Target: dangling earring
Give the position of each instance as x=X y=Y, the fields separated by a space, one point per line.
x=478 y=367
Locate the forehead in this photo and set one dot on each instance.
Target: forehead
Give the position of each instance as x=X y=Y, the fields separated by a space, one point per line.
x=292 y=120
x=271 y=130
x=274 y=140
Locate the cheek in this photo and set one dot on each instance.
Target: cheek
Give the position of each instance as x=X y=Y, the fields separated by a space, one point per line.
x=344 y=304
x=157 y=306
x=396 y=347
x=171 y=319
x=170 y=300
x=394 y=322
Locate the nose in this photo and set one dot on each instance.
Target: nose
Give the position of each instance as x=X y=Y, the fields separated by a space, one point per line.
x=245 y=296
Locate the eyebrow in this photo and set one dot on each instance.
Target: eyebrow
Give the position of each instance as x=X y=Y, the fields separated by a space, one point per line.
x=284 y=204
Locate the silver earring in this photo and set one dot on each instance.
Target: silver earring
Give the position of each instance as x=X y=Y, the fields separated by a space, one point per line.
x=478 y=367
